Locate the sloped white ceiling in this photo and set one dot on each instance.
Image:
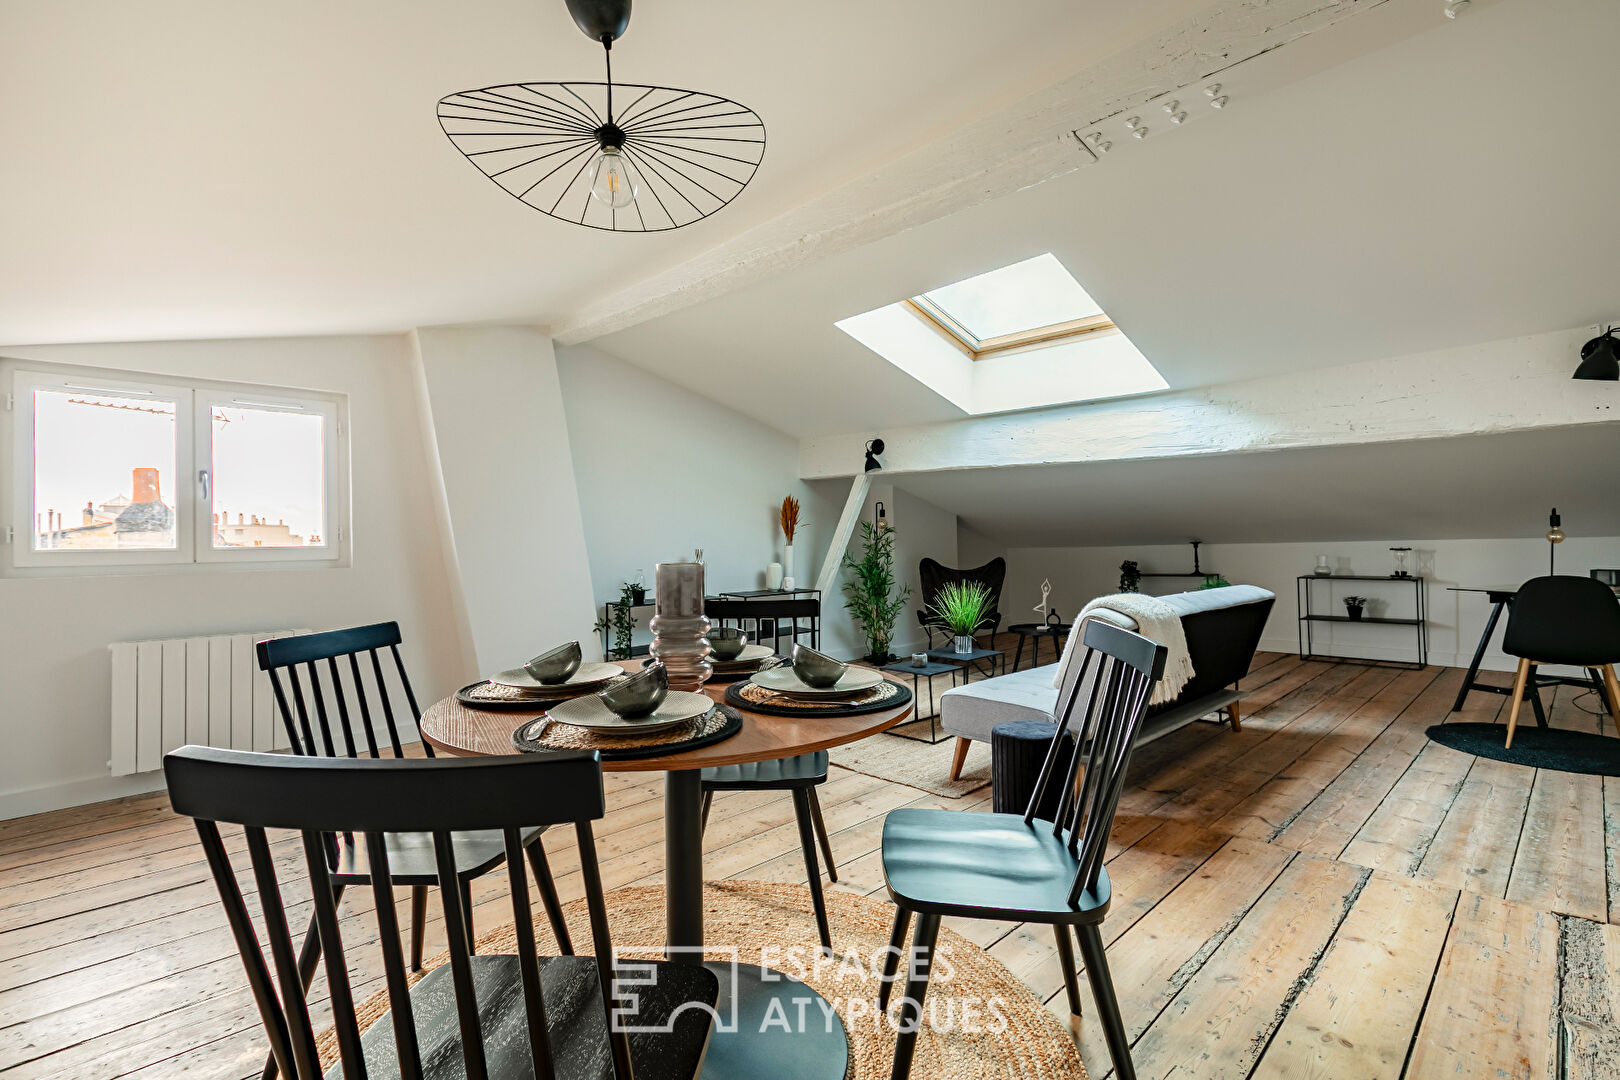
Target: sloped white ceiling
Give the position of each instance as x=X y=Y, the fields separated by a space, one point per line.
x=190 y=168
x=1453 y=188
x=1434 y=489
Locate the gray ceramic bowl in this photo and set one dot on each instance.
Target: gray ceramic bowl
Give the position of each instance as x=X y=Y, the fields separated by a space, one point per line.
x=726 y=642
x=556 y=665
x=817 y=668
x=640 y=694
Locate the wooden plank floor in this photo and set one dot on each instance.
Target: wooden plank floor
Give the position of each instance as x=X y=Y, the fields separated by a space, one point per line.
x=1323 y=894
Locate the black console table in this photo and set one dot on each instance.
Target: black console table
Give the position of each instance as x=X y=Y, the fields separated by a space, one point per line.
x=1309 y=617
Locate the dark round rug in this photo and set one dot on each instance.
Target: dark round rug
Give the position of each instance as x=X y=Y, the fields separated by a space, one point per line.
x=1537 y=747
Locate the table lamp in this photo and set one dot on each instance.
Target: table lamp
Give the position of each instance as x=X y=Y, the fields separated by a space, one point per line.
x=1555 y=536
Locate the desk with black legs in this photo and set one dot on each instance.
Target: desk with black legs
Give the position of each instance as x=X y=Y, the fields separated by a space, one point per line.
x=1501 y=596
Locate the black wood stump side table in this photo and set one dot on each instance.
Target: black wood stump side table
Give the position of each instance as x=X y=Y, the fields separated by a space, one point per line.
x=1017 y=749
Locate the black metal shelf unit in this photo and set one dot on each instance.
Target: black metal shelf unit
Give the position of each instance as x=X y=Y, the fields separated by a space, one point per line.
x=1308 y=618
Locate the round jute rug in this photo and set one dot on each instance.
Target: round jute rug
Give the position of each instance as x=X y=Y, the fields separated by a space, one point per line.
x=982 y=1023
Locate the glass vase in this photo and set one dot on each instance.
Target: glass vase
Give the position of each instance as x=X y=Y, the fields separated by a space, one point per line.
x=680 y=628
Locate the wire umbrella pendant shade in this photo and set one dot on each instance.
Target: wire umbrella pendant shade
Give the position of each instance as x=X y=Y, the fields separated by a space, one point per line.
x=687 y=153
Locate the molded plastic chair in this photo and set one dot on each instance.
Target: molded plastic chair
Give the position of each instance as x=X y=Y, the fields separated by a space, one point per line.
x=1009 y=867
x=477 y=1016
x=934 y=576
x=1564 y=620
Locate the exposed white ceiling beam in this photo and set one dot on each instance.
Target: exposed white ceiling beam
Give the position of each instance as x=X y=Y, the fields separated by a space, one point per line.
x=1518 y=384
x=1022 y=145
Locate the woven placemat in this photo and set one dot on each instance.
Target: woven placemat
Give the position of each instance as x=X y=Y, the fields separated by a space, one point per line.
x=493 y=697
x=721 y=723
x=755 y=698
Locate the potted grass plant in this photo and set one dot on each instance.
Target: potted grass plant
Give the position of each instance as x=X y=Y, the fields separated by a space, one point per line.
x=872 y=596
x=962 y=607
x=1355 y=607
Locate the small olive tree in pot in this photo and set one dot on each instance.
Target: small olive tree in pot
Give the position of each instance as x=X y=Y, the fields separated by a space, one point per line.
x=872 y=597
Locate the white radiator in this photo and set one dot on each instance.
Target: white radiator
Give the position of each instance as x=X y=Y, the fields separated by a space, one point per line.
x=204 y=690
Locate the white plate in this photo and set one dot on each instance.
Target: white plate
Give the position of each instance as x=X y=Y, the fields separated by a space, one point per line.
x=589 y=676
x=751 y=654
x=590 y=711
x=784 y=680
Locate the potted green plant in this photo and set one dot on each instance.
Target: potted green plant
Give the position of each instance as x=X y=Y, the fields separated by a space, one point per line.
x=963 y=607
x=872 y=596
x=1355 y=606
x=1130 y=576
x=621 y=620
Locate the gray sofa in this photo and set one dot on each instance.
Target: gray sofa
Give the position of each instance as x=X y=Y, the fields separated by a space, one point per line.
x=1223 y=628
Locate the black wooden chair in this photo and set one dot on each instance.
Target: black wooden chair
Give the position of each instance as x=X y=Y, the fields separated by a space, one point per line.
x=1023 y=869
x=801 y=775
x=783 y=617
x=1567 y=620
x=933 y=576
x=411 y=858
x=477 y=1016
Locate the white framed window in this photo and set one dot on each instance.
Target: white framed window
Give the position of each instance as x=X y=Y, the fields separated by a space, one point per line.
x=121 y=470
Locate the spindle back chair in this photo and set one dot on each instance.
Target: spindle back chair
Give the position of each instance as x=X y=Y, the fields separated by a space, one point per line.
x=1020 y=868
x=478 y=1016
x=321 y=681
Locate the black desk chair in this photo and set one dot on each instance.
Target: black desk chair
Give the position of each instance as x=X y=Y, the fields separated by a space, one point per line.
x=1566 y=620
x=477 y=1016
x=1023 y=869
x=411 y=859
x=933 y=576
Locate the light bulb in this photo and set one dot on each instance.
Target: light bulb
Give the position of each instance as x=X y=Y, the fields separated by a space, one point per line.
x=610 y=180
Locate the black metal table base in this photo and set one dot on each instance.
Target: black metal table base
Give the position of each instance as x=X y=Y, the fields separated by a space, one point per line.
x=783 y=1029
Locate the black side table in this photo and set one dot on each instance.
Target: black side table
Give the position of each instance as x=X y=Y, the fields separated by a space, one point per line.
x=966 y=660
x=928 y=671
x=1034 y=632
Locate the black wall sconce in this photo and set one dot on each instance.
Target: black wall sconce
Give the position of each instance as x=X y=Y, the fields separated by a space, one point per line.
x=1600 y=358
x=873 y=449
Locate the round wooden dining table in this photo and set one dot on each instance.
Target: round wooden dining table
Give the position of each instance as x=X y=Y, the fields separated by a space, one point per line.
x=750 y=1039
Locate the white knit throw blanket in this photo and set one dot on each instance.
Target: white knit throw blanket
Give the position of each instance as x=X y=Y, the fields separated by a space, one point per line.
x=1154 y=619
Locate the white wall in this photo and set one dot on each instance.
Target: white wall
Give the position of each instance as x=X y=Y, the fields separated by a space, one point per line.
x=920 y=529
x=661 y=471
x=1455 y=619
x=492 y=408
x=55 y=677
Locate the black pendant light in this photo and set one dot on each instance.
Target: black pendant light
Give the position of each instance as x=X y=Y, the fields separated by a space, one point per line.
x=617 y=156
x=1600 y=358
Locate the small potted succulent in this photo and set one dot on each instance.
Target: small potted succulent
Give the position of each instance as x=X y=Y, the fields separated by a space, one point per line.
x=962 y=607
x=1355 y=606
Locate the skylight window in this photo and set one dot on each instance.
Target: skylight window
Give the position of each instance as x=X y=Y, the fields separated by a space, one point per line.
x=1028 y=303
x=1025 y=336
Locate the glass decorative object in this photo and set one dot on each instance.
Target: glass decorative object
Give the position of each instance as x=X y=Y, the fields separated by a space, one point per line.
x=1322 y=568
x=679 y=627
x=1400 y=554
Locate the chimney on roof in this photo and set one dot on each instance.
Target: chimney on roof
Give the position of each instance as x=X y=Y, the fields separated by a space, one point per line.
x=145 y=486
